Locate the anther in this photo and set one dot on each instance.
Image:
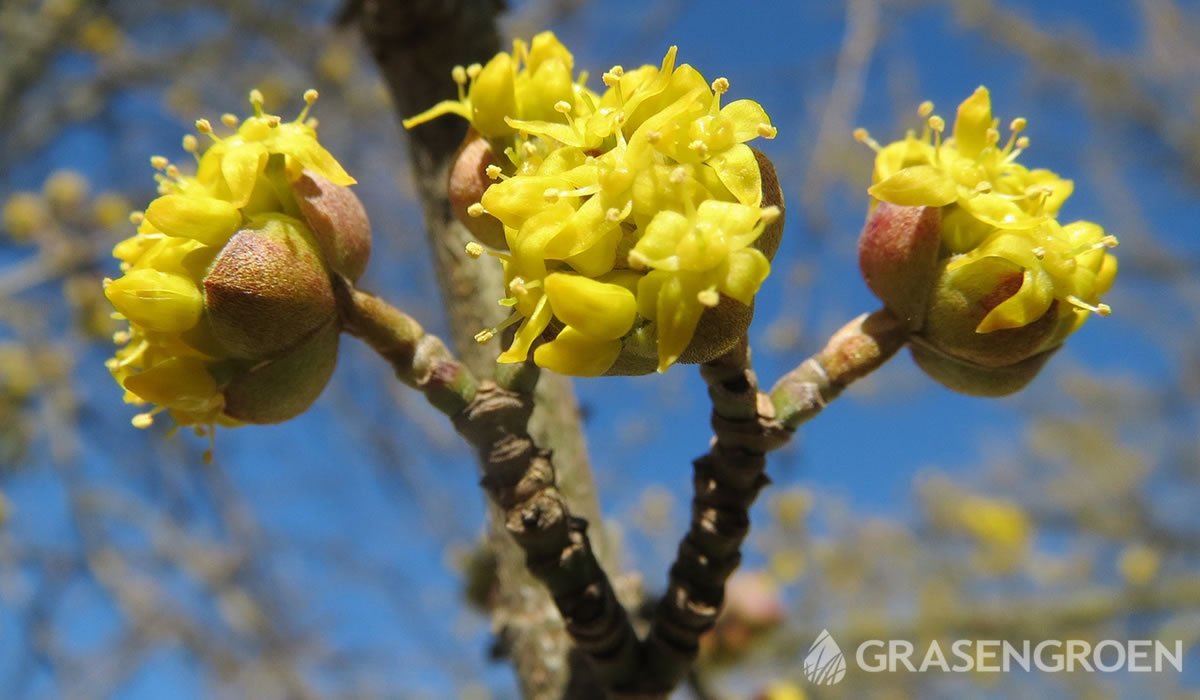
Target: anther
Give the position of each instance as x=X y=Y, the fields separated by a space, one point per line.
x=190 y=144
x=273 y=121
x=493 y=172
x=1018 y=124
x=863 y=136
x=552 y=194
x=474 y=250
x=484 y=336
x=679 y=175
x=474 y=70
x=562 y=107
x=229 y=120
x=1039 y=252
x=993 y=136
x=720 y=86
x=137 y=217
x=767 y=131
x=204 y=126
x=310 y=96
x=653 y=137
x=925 y=109
x=256 y=98
x=120 y=337
x=709 y=297
x=459 y=75
x=158 y=162
x=1023 y=142
x=172 y=172
x=937 y=123
x=476 y=210
x=613 y=215
x=769 y=214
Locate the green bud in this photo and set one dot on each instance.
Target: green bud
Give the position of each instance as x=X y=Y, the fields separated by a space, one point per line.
x=268 y=289
x=286 y=386
x=975 y=380
x=338 y=222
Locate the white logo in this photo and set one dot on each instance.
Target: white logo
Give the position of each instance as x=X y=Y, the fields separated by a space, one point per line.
x=824 y=664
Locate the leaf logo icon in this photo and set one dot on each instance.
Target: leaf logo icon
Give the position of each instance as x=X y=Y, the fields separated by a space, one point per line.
x=825 y=664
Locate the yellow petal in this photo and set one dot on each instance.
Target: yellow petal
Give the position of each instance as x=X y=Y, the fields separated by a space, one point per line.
x=573 y=353
x=1029 y=304
x=659 y=242
x=972 y=123
x=747 y=116
x=241 y=167
x=677 y=314
x=179 y=382
x=737 y=169
x=157 y=301
x=531 y=329
x=440 y=109
x=747 y=268
x=918 y=186
x=493 y=98
x=208 y=220
x=596 y=309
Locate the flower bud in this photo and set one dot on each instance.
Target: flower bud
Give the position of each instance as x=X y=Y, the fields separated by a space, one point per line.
x=268 y=288
x=338 y=221
x=897 y=253
x=286 y=386
x=229 y=299
x=468 y=180
x=964 y=244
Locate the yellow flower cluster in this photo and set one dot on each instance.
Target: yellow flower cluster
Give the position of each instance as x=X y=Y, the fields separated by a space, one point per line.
x=626 y=213
x=170 y=356
x=998 y=216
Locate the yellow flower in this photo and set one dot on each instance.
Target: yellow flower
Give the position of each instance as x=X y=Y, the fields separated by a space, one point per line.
x=589 y=177
x=225 y=278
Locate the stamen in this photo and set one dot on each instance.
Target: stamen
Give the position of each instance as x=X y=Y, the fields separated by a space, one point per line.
x=699 y=147
x=679 y=175
x=653 y=137
x=1018 y=124
x=190 y=143
x=613 y=215
x=273 y=121
x=484 y=336
x=172 y=172
x=143 y=420
x=230 y=120
x=552 y=194
x=256 y=101
x=474 y=70
x=476 y=210
x=1098 y=309
x=137 y=217
x=709 y=297
x=158 y=162
x=120 y=337
x=459 y=75
x=863 y=136
x=1023 y=142
x=993 y=137
x=474 y=250
x=925 y=109
x=770 y=214
x=767 y=131
x=1039 y=252
x=637 y=260
x=562 y=107
x=720 y=86
x=493 y=172
x=310 y=96
x=204 y=126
